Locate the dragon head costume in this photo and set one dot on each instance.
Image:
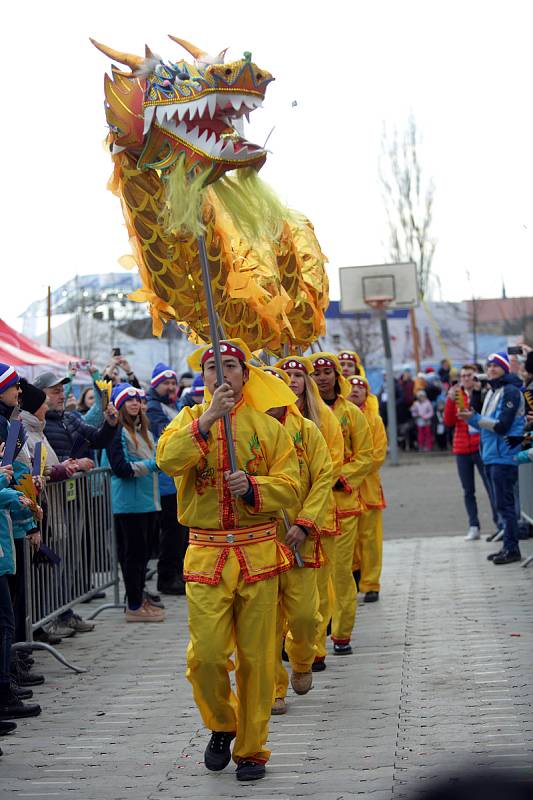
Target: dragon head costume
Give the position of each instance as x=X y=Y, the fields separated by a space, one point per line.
x=182 y=167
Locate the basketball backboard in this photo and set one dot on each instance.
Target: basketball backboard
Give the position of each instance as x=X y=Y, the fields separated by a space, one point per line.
x=393 y=284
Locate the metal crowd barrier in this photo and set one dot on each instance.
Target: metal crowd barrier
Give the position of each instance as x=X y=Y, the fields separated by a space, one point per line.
x=525 y=486
x=78 y=527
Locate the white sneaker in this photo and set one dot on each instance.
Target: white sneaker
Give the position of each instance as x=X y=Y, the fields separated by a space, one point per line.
x=473 y=533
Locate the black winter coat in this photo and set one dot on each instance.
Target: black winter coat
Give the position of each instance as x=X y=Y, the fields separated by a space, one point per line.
x=71 y=437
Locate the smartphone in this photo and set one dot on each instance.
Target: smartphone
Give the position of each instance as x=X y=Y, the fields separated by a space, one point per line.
x=116 y=351
x=515 y=350
x=481 y=376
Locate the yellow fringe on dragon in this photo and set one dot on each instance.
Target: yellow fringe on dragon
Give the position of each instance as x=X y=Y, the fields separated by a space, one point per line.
x=181 y=168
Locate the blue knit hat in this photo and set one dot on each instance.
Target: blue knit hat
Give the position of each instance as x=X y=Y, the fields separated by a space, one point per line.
x=8 y=377
x=198 y=387
x=122 y=392
x=500 y=359
x=160 y=373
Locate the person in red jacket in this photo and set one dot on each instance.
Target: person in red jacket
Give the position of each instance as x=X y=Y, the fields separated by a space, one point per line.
x=466 y=445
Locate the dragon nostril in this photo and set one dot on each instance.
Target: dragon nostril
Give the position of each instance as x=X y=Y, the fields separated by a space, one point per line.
x=259 y=76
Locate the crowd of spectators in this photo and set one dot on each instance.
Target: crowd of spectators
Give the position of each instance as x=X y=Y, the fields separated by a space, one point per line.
x=77 y=431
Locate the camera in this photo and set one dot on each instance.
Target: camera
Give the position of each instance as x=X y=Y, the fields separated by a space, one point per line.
x=116 y=351
x=515 y=350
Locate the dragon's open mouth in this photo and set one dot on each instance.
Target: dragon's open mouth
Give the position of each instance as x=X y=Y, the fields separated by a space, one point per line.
x=209 y=124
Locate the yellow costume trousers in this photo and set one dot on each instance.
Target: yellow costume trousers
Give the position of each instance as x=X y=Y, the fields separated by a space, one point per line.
x=369 y=550
x=325 y=592
x=241 y=617
x=345 y=605
x=297 y=612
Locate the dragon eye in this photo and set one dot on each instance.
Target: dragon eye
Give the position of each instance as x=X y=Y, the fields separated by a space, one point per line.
x=183 y=76
x=259 y=76
x=227 y=72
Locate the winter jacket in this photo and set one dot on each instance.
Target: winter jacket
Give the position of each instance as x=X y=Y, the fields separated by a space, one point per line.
x=422 y=411
x=134 y=486
x=502 y=415
x=10 y=510
x=24 y=522
x=466 y=440
x=160 y=412
x=71 y=437
x=34 y=428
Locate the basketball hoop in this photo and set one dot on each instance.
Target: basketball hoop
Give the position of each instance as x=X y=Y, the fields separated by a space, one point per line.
x=379 y=302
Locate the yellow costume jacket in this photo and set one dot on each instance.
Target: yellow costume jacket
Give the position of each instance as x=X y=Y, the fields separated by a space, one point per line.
x=332 y=433
x=357 y=457
x=371 y=489
x=315 y=484
x=217 y=520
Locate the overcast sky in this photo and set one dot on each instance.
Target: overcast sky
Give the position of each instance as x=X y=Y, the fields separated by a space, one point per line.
x=464 y=69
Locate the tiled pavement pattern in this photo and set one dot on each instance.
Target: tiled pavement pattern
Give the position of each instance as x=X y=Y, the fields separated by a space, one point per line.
x=441 y=676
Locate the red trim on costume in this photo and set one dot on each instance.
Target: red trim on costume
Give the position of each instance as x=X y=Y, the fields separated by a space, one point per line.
x=258 y=500
x=263 y=576
x=198 y=438
x=308 y=523
x=346 y=488
x=196 y=577
x=340 y=641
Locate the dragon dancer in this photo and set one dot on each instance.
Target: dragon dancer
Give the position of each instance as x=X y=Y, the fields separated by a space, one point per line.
x=357 y=462
x=298 y=592
x=311 y=406
x=234 y=557
x=368 y=554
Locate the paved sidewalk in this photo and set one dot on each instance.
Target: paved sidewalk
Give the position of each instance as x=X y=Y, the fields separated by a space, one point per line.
x=441 y=676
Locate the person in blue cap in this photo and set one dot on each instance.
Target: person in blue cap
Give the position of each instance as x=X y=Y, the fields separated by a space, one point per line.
x=502 y=417
x=161 y=410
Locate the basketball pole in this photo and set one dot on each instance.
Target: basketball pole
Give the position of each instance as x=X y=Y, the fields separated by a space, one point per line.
x=392 y=426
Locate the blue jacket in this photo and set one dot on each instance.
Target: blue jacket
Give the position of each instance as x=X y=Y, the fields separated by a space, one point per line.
x=502 y=415
x=160 y=412
x=134 y=487
x=10 y=509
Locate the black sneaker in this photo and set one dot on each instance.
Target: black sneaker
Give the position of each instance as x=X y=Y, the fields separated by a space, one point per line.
x=249 y=771
x=492 y=556
x=371 y=597
x=13 y=708
x=20 y=692
x=218 y=753
x=507 y=557
x=342 y=649
x=7 y=727
x=318 y=665
x=175 y=587
x=27 y=678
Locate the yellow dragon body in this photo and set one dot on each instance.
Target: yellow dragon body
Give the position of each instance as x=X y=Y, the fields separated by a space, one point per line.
x=178 y=157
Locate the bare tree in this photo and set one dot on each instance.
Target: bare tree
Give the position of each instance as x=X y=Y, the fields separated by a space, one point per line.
x=363 y=336
x=408 y=198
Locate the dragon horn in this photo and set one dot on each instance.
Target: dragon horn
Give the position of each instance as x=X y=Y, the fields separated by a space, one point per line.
x=190 y=48
x=131 y=61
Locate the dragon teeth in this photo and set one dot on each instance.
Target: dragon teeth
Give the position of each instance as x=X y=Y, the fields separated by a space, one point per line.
x=148 y=117
x=212 y=105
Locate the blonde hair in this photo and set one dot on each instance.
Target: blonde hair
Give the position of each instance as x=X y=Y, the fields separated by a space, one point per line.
x=311 y=408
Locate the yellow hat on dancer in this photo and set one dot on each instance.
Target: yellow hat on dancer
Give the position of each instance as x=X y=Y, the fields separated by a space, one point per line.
x=331 y=360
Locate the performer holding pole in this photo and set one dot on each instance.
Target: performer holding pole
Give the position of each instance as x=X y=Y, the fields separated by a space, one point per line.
x=234 y=556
